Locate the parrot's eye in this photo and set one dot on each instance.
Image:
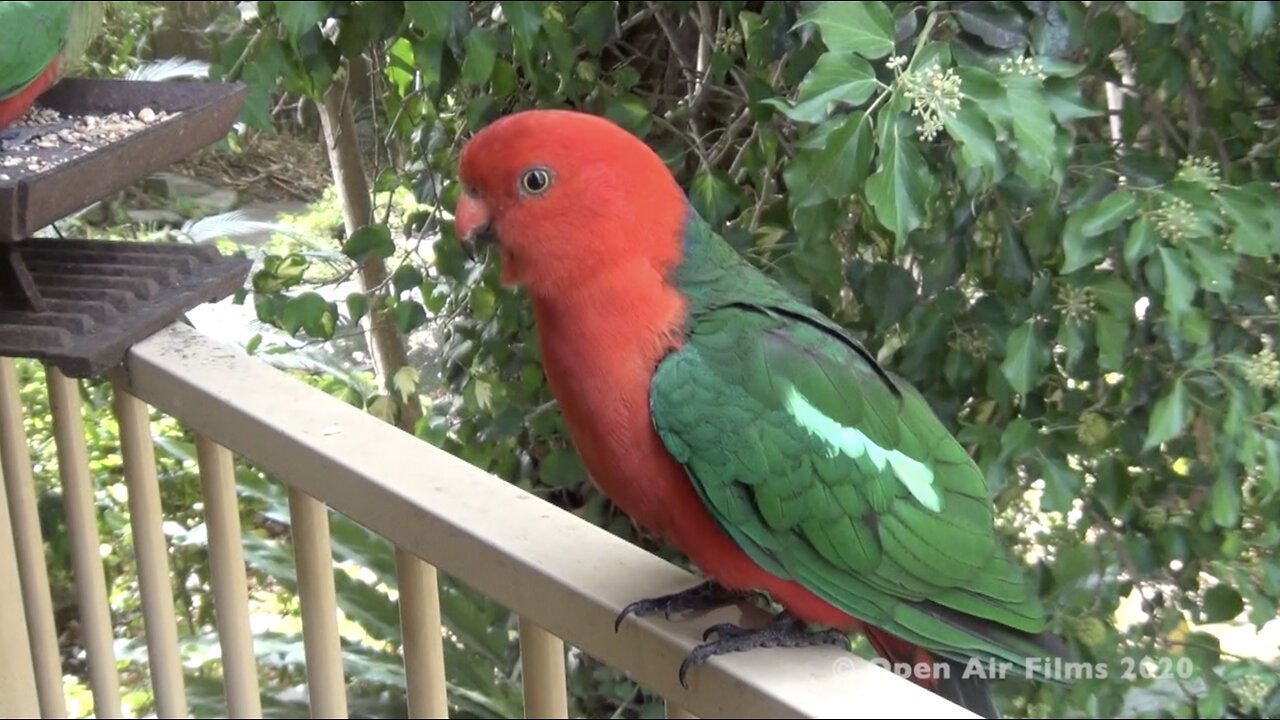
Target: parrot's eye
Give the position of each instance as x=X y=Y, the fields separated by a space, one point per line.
x=535 y=181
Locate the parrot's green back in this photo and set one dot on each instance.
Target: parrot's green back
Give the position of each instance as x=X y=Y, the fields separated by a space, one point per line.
x=830 y=471
x=36 y=32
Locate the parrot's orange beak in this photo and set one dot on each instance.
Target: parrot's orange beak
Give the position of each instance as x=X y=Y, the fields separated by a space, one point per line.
x=471 y=223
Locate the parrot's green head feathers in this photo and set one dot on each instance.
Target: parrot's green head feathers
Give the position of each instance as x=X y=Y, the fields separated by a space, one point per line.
x=568 y=197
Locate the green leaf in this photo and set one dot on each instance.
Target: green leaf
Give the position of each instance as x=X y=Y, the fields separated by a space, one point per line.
x=834 y=79
x=1001 y=28
x=479 y=58
x=630 y=112
x=300 y=17
x=831 y=163
x=902 y=184
x=976 y=140
x=370 y=239
x=1033 y=127
x=1215 y=267
x=436 y=17
x=1163 y=11
x=864 y=28
x=1114 y=294
x=1169 y=416
x=1250 y=234
x=1113 y=339
x=311 y=312
x=1140 y=242
x=1224 y=500
x=715 y=196
x=1025 y=357
x=1179 y=285
x=1222 y=603
x=357 y=306
x=409 y=315
x=1256 y=17
x=405 y=278
x=525 y=17
x=562 y=468
x=1107 y=215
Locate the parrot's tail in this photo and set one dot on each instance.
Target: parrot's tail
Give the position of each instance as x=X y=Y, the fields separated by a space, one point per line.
x=970 y=691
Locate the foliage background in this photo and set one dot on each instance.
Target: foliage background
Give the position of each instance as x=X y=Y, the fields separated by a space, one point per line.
x=1059 y=220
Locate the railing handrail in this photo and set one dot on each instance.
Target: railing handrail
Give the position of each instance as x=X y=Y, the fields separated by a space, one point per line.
x=506 y=543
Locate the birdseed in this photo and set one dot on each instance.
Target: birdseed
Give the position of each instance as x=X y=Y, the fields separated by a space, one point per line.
x=85 y=134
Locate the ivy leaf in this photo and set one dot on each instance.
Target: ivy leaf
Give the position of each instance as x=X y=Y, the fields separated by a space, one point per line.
x=832 y=162
x=1222 y=603
x=357 y=306
x=1113 y=340
x=437 y=17
x=1250 y=234
x=902 y=184
x=1140 y=242
x=863 y=28
x=525 y=18
x=834 y=79
x=311 y=312
x=1224 y=501
x=714 y=196
x=1033 y=127
x=1214 y=266
x=1179 y=286
x=1107 y=215
x=1169 y=416
x=1025 y=356
x=1114 y=294
x=998 y=28
x=480 y=56
x=976 y=140
x=370 y=239
x=562 y=468
x=298 y=18
x=1166 y=12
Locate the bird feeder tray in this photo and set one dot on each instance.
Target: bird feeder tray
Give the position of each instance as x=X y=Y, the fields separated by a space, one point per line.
x=72 y=176
x=79 y=304
x=94 y=299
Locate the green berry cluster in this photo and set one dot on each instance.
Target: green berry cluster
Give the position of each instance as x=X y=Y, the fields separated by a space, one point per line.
x=1262 y=370
x=1093 y=428
x=1076 y=304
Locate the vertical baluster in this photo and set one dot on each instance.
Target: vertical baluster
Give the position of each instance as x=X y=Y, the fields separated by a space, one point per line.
x=146 y=518
x=314 y=559
x=17 y=673
x=423 y=644
x=230 y=587
x=542 y=659
x=20 y=488
x=82 y=529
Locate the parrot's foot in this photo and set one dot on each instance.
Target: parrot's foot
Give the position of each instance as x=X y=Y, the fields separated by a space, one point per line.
x=709 y=595
x=783 y=631
x=16 y=136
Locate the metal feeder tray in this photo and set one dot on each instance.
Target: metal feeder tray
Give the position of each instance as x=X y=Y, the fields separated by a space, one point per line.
x=80 y=304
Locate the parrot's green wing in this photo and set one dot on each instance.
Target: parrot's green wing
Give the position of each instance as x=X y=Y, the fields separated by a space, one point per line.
x=34 y=34
x=831 y=472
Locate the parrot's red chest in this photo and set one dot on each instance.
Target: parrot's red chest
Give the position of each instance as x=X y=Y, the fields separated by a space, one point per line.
x=600 y=354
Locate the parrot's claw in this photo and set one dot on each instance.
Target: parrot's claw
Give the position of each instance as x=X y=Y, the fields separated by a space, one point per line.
x=705 y=596
x=783 y=631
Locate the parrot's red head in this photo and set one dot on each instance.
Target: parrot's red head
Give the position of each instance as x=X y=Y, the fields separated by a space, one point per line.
x=568 y=198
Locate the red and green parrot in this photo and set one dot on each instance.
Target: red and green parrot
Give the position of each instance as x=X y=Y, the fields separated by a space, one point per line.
x=42 y=40
x=741 y=426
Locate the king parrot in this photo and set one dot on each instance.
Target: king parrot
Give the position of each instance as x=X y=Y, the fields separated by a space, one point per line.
x=42 y=41
x=740 y=425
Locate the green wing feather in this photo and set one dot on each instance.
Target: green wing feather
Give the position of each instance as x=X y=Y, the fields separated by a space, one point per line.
x=34 y=34
x=830 y=471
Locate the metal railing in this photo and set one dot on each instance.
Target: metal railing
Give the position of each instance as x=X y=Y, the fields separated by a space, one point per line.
x=566 y=578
